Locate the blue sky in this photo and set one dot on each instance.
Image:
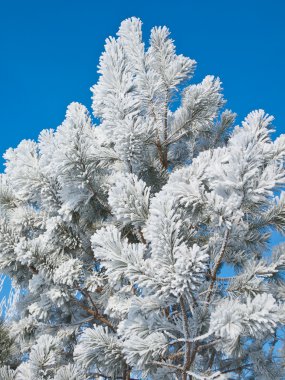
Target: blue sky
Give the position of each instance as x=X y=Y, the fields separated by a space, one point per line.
x=50 y=51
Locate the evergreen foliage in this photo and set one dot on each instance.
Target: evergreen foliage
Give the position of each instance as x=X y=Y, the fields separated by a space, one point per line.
x=117 y=236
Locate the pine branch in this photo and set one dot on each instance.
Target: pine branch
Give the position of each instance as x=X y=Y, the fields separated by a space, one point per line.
x=96 y=315
x=217 y=265
x=187 y=358
x=190 y=373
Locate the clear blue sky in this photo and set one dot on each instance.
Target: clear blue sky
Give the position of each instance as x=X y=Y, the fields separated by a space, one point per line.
x=50 y=51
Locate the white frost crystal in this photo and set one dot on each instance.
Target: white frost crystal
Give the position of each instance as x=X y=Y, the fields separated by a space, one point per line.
x=139 y=248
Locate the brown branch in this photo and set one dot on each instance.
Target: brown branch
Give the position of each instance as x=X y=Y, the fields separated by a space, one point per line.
x=161 y=154
x=87 y=294
x=212 y=358
x=187 y=352
x=273 y=344
x=190 y=373
x=95 y=314
x=126 y=372
x=217 y=265
x=177 y=355
x=33 y=269
x=211 y=287
x=235 y=369
x=184 y=125
x=168 y=365
x=207 y=345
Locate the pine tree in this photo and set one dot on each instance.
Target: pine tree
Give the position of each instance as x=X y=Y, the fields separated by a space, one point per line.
x=140 y=247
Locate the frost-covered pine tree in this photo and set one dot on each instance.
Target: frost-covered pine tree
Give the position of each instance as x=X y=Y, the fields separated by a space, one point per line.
x=140 y=247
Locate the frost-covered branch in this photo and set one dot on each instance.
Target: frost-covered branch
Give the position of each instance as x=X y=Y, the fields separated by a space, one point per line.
x=140 y=248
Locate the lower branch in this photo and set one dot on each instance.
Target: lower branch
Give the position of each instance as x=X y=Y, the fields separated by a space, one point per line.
x=187 y=357
x=95 y=314
x=217 y=265
x=126 y=373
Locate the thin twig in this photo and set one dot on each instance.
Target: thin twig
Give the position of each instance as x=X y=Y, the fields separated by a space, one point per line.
x=190 y=373
x=187 y=358
x=191 y=340
x=217 y=265
x=96 y=315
